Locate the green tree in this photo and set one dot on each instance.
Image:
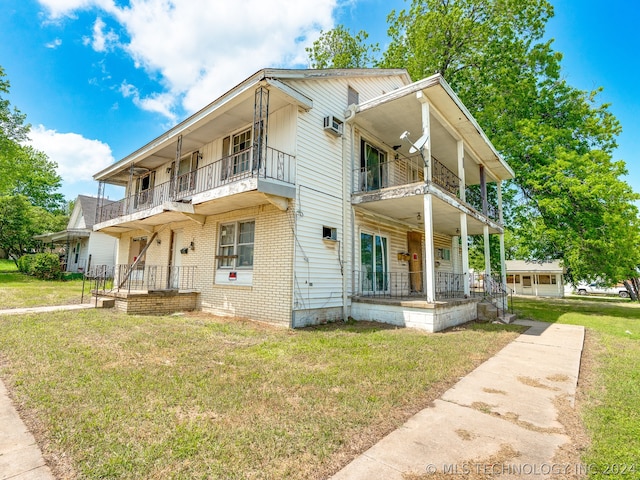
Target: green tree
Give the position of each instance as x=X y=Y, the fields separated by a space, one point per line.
x=337 y=48
x=25 y=171
x=568 y=199
x=20 y=221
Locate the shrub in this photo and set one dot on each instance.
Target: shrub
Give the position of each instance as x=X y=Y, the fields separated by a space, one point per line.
x=25 y=264
x=46 y=266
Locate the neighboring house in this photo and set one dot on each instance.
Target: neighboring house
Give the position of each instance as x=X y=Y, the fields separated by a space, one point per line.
x=299 y=197
x=80 y=247
x=533 y=278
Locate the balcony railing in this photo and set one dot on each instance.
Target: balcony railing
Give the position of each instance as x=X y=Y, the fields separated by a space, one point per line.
x=403 y=285
x=473 y=197
x=272 y=164
x=394 y=173
x=444 y=177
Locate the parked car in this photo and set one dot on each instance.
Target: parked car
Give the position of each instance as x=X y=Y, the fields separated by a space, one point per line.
x=597 y=289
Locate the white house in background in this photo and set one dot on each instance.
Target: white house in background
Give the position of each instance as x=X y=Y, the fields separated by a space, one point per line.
x=80 y=245
x=534 y=278
x=307 y=196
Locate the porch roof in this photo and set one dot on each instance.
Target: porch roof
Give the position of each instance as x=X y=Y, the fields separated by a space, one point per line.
x=390 y=114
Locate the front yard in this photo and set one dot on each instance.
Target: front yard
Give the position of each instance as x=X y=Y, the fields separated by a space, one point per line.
x=18 y=290
x=195 y=396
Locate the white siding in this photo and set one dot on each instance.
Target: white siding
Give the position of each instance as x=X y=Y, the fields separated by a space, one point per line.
x=102 y=249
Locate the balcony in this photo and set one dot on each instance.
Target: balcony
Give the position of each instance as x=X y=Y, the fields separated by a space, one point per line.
x=273 y=165
x=410 y=170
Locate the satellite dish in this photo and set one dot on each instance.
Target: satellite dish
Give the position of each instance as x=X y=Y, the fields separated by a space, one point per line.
x=419 y=143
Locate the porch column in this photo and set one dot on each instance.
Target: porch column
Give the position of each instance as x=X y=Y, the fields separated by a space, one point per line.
x=429 y=257
x=487 y=251
x=464 y=240
x=503 y=267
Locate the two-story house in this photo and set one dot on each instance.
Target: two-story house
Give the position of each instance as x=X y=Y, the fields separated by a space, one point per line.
x=306 y=196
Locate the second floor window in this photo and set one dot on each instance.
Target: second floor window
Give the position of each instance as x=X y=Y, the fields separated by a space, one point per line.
x=373 y=167
x=144 y=188
x=238 y=151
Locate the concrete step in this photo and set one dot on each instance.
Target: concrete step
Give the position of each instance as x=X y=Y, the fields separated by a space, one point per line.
x=105 y=302
x=507 y=317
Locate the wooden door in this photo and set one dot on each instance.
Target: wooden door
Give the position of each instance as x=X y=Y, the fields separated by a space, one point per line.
x=414 y=243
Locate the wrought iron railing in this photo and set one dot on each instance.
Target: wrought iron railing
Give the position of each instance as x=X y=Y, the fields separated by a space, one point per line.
x=154 y=277
x=270 y=163
x=442 y=176
x=407 y=284
x=473 y=197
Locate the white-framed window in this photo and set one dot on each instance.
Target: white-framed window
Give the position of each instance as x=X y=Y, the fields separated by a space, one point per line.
x=443 y=254
x=144 y=188
x=187 y=172
x=237 y=151
x=373 y=167
x=236 y=245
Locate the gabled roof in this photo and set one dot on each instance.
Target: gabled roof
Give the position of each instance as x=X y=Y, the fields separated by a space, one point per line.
x=446 y=104
x=80 y=223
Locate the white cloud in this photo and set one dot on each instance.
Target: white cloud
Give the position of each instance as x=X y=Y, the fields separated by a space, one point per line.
x=198 y=49
x=54 y=43
x=78 y=158
x=101 y=41
x=158 y=102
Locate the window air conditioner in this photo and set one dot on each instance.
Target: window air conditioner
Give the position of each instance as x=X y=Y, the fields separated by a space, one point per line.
x=333 y=125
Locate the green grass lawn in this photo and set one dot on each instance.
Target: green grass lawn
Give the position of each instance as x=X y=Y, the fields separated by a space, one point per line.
x=7 y=265
x=611 y=412
x=193 y=396
x=19 y=290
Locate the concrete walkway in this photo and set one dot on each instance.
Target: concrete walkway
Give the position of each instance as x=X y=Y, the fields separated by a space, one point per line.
x=22 y=311
x=502 y=418
x=20 y=456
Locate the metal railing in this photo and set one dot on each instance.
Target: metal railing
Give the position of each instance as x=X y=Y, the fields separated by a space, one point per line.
x=442 y=176
x=154 y=277
x=249 y=163
x=473 y=197
x=407 y=284
x=394 y=173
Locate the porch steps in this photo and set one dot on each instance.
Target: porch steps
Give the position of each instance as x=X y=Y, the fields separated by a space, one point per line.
x=488 y=312
x=104 y=302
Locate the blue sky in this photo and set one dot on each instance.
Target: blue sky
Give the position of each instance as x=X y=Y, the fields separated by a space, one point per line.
x=98 y=79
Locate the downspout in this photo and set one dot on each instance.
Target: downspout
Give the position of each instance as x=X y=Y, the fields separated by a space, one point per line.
x=347 y=211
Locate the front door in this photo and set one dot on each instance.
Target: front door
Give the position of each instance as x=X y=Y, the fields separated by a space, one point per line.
x=526 y=285
x=414 y=243
x=175 y=259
